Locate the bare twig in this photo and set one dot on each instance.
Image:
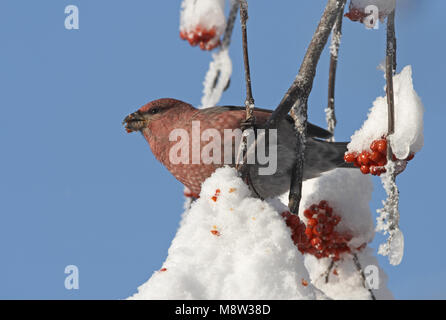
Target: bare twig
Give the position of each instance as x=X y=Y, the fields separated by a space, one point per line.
x=334 y=52
x=390 y=70
x=230 y=25
x=297 y=96
x=361 y=273
x=328 y=271
x=249 y=102
x=303 y=83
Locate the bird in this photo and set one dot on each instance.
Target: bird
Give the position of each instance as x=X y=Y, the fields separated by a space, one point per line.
x=157 y=120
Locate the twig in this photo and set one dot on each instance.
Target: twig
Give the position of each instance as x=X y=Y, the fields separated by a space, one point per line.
x=361 y=273
x=388 y=220
x=303 y=83
x=227 y=38
x=297 y=96
x=390 y=70
x=241 y=166
x=334 y=52
x=249 y=102
x=327 y=273
x=230 y=24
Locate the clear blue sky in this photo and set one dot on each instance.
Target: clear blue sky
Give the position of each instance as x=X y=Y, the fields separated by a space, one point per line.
x=76 y=189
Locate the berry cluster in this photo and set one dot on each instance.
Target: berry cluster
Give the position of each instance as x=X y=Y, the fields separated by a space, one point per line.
x=215 y=196
x=355 y=14
x=318 y=236
x=373 y=161
x=358 y=14
x=370 y=162
x=205 y=38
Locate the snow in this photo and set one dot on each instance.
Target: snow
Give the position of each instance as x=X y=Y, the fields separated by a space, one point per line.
x=351 y=204
x=220 y=69
x=347 y=283
x=389 y=216
x=349 y=193
x=251 y=256
x=408 y=136
x=239 y=247
x=203 y=15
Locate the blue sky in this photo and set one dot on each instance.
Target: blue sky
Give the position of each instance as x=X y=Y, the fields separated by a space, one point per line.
x=76 y=189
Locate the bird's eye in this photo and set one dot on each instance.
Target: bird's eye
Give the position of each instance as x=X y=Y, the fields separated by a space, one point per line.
x=154 y=110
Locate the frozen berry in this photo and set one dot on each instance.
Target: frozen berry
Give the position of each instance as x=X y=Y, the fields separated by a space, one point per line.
x=375 y=156
x=364 y=158
x=382 y=146
x=312 y=222
x=350 y=157
x=308 y=214
x=365 y=169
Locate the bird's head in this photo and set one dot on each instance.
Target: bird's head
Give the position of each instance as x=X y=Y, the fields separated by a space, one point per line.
x=155 y=111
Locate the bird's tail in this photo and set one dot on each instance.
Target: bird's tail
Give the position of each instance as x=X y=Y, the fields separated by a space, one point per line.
x=322 y=156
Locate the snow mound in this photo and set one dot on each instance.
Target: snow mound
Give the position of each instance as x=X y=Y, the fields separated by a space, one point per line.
x=408 y=137
x=231 y=246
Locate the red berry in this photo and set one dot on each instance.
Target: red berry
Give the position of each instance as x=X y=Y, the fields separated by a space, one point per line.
x=375 y=156
x=309 y=232
x=380 y=171
x=373 y=170
x=374 y=145
x=316 y=241
x=323 y=204
x=410 y=157
x=365 y=169
x=335 y=220
x=308 y=213
x=382 y=146
x=312 y=222
x=317 y=230
x=350 y=157
x=364 y=158
x=328 y=211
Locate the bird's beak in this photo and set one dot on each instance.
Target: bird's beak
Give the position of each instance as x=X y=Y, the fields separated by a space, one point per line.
x=134 y=122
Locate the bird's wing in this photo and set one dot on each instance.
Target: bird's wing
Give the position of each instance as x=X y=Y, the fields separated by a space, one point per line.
x=312 y=129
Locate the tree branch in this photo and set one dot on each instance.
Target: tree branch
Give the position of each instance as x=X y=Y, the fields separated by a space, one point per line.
x=334 y=52
x=230 y=24
x=303 y=83
x=390 y=71
x=249 y=102
x=297 y=96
